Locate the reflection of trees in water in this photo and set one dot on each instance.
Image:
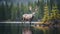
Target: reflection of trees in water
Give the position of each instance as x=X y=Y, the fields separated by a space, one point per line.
x=17 y=29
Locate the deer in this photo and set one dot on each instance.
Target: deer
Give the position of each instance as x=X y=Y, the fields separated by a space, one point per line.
x=29 y=17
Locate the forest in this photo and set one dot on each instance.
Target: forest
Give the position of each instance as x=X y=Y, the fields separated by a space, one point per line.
x=11 y=11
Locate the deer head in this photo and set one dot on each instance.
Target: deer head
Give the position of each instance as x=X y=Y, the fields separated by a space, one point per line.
x=35 y=10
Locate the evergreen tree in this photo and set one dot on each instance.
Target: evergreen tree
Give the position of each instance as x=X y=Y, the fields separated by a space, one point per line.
x=55 y=13
x=40 y=4
x=46 y=14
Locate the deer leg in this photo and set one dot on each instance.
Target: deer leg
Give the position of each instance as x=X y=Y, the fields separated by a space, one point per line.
x=23 y=20
x=30 y=23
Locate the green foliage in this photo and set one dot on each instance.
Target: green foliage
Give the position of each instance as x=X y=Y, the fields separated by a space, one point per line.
x=46 y=13
x=54 y=12
x=15 y=11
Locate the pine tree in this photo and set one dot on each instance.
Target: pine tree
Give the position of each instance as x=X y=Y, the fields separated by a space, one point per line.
x=40 y=4
x=46 y=14
x=54 y=13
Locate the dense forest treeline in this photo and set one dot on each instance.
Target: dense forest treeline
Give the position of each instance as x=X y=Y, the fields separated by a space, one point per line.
x=48 y=9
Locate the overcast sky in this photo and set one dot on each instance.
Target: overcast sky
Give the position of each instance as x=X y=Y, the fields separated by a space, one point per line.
x=23 y=1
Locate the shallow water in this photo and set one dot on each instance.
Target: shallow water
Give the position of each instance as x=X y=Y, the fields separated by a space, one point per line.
x=16 y=28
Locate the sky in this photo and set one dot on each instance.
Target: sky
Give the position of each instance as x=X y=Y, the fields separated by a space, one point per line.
x=23 y=1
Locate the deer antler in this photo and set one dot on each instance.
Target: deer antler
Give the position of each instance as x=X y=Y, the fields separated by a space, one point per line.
x=36 y=8
x=30 y=8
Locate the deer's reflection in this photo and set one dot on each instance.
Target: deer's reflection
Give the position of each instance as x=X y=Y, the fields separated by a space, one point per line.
x=26 y=31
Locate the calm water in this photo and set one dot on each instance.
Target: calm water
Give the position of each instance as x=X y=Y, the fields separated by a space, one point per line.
x=16 y=28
